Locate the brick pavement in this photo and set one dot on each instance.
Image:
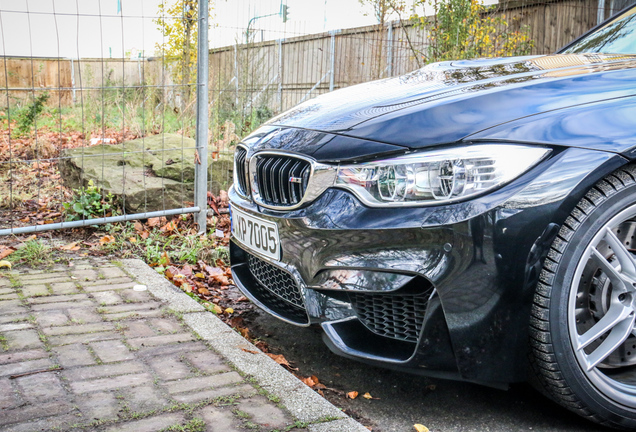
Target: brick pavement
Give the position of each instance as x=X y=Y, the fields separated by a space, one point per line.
x=80 y=349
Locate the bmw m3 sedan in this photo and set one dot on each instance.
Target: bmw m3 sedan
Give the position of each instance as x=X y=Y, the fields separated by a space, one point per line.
x=471 y=220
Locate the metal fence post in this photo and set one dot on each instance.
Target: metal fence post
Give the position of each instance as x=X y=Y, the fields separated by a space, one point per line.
x=389 y=45
x=201 y=165
x=280 y=75
x=333 y=59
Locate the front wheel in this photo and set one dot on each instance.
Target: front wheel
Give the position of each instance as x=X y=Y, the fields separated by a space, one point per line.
x=583 y=339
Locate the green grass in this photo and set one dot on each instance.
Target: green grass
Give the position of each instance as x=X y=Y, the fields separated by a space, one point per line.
x=34 y=253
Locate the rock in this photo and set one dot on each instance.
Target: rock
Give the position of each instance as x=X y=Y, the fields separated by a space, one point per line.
x=147 y=174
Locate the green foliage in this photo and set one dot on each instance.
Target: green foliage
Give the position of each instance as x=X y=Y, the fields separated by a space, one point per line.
x=26 y=116
x=465 y=29
x=89 y=202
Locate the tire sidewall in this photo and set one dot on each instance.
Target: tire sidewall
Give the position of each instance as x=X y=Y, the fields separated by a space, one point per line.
x=568 y=364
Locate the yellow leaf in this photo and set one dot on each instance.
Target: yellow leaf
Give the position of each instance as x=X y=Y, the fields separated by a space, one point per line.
x=420 y=428
x=367 y=395
x=217 y=309
x=229 y=311
x=5 y=264
x=199 y=275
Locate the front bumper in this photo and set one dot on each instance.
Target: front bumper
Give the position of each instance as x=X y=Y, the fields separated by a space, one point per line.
x=442 y=291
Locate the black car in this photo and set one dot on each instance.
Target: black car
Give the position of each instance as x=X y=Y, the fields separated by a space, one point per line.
x=472 y=220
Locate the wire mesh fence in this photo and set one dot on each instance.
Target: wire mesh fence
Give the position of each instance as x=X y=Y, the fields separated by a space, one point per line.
x=92 y=130
x=98 y=99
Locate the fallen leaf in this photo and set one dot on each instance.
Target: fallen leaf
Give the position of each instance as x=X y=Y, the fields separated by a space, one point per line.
x=165 y=259
x=228 y=310
x=5 y=264
x=249 y=351
x=199 y=275
x=29 y=238
x=309 y=381
x=352 y=394
x=139 y=227
x=204 y=291
x=107 y=239
x=132 y=239
x=280 y=359
x=71 y=247
x=245 y=332
x=420 y=428
x=144 y=235
x=217 y=309
x=6 y=252
x=367 y=395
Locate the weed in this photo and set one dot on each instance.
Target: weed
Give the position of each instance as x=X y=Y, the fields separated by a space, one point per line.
x=241 y=414
x=34 y=252
x=3 y=343
x=194 y=425
x=89 y=202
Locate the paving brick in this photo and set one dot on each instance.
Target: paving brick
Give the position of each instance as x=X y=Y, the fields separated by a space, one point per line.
x=64 y=288
x=150 y=424
x=15 y=326
x=51 y=318
x=9 y=296
x=104 y=286
x=111 y=383
x=35 y=290
x=40 y=387
x=164 y=325
x=112 y=351
x=170 y=368
x=167 y=350
x=82 y=338
x=242 y=390
x=133 y=314
x=265 y=413
x=135 y=296
x=25 y=366
x=107 y=298
x=143 y=398
x=133 y=307
x=74 y=355
x=4 y=291
x=160 y=340
x=28 y=412
x=219 y=419
x=206 y=361
x=12 y=319
x=137 y=329
x=63 y=305
x=84 y=315
x=108 y=282
x=8 y=398
x=44 y=277
x=85 y=275
x=58 y=298
x=4 y=282
x=23 y=339
x=110 y=273
x=21 y=356
x=98 y=406
x=54 y=423
x=12 y=307
x=102 y=371
x=203 y=383
x=78 y=329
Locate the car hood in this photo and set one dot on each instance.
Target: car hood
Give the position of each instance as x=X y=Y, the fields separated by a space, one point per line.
x=446 y=102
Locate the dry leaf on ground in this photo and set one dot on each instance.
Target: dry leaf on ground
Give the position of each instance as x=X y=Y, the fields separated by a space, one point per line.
x=352 y=394
x=5 y=252
x=420 y=428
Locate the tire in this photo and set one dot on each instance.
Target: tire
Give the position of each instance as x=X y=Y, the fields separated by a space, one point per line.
x=582 y=337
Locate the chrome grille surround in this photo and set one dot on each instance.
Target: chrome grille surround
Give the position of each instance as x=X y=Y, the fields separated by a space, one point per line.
x=241 y=170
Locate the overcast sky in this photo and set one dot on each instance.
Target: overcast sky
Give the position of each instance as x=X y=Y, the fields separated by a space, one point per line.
x=95 y=28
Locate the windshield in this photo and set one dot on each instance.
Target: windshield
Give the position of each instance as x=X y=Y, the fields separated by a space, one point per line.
x=617 y=36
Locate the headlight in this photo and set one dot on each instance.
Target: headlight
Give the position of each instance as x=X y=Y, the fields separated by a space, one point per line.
x=439 y=176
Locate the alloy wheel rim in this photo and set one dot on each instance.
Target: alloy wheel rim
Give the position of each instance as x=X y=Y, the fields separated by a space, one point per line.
x=602 y=309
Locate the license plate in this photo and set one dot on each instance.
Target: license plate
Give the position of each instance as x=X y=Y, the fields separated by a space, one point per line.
x=255 y=233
